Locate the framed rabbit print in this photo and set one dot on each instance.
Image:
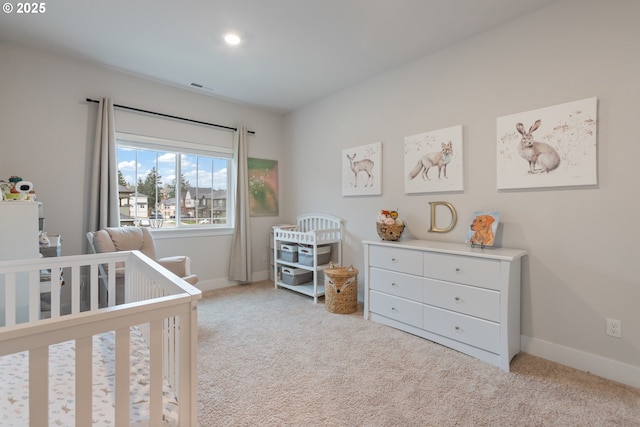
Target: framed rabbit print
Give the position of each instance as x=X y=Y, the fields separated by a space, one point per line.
x=548 y=147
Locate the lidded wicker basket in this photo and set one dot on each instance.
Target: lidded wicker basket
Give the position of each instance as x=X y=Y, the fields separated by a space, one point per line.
x=389 y=232
x=341 y=289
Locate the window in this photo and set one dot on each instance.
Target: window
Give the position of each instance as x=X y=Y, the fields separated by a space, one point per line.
x=173 y=185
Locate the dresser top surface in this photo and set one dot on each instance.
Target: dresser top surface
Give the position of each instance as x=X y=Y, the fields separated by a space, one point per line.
x=507 y=254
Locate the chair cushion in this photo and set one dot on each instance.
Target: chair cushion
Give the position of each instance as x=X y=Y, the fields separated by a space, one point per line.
x=126 y=238
x=148 y=245
x=175 y=264
x=191 y=279
x=102 y=242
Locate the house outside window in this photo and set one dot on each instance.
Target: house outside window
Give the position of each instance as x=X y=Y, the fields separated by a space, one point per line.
x=173 y=185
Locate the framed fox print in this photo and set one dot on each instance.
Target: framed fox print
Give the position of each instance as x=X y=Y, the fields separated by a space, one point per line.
x=433 y=161
x=549 y=147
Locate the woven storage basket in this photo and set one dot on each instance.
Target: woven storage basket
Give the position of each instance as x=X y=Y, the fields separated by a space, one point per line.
x=341 y=289
x=389 y=232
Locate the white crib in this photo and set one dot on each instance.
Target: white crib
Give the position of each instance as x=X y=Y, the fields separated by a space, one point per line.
x=160 y=308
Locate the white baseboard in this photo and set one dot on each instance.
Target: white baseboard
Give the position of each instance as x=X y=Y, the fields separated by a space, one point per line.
x=224 y=282
x=259 y=276
x=209 y=285
x=597 y=365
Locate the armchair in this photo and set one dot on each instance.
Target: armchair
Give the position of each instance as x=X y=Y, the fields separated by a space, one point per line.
x=114 y=239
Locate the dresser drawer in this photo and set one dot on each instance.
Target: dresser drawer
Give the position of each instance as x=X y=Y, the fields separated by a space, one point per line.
x=463 y=269
x=395 y=308
x=478 y=302
x=396 y=259
x=469 y=330
x=398 y=284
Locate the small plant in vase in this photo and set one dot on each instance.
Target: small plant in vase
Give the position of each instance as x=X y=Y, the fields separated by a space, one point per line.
x=389 y=226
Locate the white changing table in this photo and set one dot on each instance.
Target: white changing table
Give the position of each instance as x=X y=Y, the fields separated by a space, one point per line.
x=312 y=230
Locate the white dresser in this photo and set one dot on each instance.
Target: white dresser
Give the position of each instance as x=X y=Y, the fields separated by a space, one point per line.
x=465 y=298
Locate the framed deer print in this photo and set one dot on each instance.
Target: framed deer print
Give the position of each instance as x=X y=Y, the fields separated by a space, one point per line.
x=433 y=161
x=549 y=147
x=362 y=170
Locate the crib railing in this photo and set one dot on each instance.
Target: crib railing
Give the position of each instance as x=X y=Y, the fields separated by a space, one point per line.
x=307 y=237
x=162 y=305
x=312 y=229
x=323 y=222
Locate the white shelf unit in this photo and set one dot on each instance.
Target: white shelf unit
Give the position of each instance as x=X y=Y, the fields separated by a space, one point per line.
x=312 y=230
x=19 y=234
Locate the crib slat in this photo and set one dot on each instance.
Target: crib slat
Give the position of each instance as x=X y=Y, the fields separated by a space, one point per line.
x=84 y=381
x=76 y=290
x=170 y=349
x=183 y=361
x=39 y=387
x=123 y=337
x=55 y=291
x=155 y=373
x=188 y=370
x=10 y=298
x=94 y=287
x=34 y=295
x=111 y=296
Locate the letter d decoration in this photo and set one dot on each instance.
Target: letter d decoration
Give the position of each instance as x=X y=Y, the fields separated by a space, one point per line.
x=454 y=217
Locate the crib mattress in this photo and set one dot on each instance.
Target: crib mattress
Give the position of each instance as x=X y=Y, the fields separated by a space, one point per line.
x=14 y=388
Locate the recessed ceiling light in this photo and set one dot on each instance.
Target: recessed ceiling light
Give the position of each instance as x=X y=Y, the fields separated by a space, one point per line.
x=232 y=39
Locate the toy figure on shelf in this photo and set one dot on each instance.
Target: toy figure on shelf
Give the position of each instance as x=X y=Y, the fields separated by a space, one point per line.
x=5 y=187
x=44 y=240
x=18 y=189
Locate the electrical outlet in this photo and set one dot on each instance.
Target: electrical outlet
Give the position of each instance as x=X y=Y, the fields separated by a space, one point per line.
x=614 y=328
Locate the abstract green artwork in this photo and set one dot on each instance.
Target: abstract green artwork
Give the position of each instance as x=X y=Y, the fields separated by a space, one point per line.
x=263 y=187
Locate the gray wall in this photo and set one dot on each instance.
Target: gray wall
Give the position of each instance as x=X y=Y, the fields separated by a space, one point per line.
x=47 y=131
x=582 y=241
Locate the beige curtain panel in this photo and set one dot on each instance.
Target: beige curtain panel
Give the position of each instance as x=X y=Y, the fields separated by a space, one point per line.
x=240 y=263
x=103 y=207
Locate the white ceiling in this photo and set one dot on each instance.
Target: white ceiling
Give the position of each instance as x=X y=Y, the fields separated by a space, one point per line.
x=294 y=51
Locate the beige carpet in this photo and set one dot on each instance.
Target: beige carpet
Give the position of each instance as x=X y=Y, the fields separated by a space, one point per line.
x=273 y=358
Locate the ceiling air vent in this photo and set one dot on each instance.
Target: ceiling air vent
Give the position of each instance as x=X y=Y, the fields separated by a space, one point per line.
x=201 y=87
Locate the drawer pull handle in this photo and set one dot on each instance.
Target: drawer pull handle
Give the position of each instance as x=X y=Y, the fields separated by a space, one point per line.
x=458 y=269
x=457 y=328
x=394 y=260
x=457 y=298
x=394 y=309
x=394 y=285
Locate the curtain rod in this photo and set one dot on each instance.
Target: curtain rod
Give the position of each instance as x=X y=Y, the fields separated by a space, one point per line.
x=124 y=107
